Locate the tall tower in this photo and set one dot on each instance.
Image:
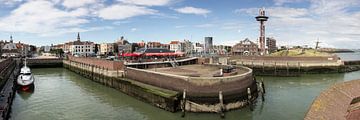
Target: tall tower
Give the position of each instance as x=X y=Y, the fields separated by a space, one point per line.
x=11 y=39
x=262 y=18
x=78 y=37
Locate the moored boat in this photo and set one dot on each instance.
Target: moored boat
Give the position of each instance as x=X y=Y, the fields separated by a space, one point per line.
x=25 y=80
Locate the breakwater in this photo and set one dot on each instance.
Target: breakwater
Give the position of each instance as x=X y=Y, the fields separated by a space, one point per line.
x=293 y=66
x=9 y=69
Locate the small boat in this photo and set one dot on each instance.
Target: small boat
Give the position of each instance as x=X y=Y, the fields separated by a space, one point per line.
x=25 y=80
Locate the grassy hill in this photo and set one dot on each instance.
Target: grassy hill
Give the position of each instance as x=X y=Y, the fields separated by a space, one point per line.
x=299 y=52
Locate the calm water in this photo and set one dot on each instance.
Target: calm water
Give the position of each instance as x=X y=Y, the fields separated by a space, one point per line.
x=61 y=94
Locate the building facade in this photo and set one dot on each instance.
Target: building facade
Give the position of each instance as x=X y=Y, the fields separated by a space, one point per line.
x=176 y=46
x=271 y=45
x=245 y=47
x=81 y=48
x=107 y=48
x=208 y=44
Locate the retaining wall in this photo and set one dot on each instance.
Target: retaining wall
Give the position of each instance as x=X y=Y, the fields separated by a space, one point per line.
x=8 y=74
x=106 y=64
x=198 y=89
x=158 y=97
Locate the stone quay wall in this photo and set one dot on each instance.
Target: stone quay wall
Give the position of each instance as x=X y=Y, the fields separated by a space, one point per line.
x=9 y=70
x=338 y=102
x=44 y=62
x=198 y=89
x=158 y=97
x=101 y=63
x=290 y=66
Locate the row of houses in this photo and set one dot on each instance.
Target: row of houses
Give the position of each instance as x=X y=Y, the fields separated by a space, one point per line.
x=121 y=46
x=12 y=49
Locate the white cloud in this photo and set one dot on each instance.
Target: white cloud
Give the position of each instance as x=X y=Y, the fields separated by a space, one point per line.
x=193 y=10
x=133 y=29
x=328 y=20
x=208 y=25
x=43 y=18
x=281 y=2
x=180 y=26
x=146 y=2
x=10 y=2
x=77 y=3
x=119 y=12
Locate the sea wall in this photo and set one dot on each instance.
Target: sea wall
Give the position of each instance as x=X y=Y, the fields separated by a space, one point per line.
x=44 y=62
x=101 y=63
x=162 y=98
x=8 y=74
x=198 y=89
x=290 y=66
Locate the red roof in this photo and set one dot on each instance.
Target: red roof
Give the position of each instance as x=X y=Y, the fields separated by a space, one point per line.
x=174 y=42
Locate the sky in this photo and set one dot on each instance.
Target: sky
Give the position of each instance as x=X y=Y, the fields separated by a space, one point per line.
x=292 y=22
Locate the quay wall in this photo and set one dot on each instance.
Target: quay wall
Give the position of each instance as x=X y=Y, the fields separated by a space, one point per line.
x=8 y=74
x=292 y=66
x=158 y=97
x=106 y=64
x=198 y=89
x=44 y=62
x=338 y=102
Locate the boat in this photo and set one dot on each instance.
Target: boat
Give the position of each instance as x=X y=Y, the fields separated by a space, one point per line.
x=25 y=80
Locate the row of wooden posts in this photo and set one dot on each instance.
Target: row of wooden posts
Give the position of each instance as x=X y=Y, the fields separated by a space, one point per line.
x=250 y=101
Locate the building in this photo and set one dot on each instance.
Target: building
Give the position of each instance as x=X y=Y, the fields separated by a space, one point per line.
x=245 y=47
x=107 y=48
x=153 y=45
x=271 y=45
x=198 y=48
x=208 y=44
x=141 y=44
x=176 y=46
x=187 y=47
x=127 y=48
x=81 y=48
x=10 y=49
x=221 y=49
x=122 y=41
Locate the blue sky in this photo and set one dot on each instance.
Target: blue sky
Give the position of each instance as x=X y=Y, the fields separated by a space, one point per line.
x=292 y=22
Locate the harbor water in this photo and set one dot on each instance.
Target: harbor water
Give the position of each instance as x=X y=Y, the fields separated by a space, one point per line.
x=62 y=94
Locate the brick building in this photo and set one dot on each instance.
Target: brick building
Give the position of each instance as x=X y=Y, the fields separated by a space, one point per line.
x=245 y=47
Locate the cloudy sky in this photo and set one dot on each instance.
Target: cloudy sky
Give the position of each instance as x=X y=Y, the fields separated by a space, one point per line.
x=292 y=22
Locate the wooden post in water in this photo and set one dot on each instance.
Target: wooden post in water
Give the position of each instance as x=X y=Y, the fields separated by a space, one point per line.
x=183 y=104
x=287 y=68
x=222 y=107
x=263 y=69
x=275 y=69
x=299 y=68
x=249 y=99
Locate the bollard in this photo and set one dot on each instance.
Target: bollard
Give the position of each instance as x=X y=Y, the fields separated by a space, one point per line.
x=249 y=99
x=222 y=108
x=183 y=105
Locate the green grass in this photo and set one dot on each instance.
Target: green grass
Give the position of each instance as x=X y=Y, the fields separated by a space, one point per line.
x=300 y=53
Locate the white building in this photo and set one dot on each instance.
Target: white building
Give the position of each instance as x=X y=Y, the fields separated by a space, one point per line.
x=176 y=46
x=81 y=48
